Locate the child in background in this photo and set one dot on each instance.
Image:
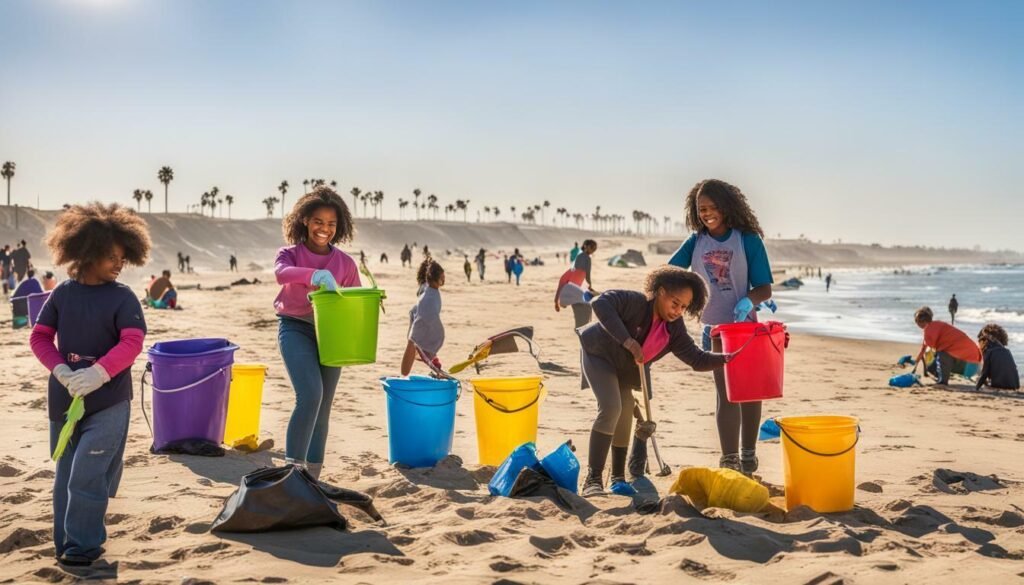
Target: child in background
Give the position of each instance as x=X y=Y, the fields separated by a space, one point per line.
x=998 y=369
x=953 y=348
x=727 y=250
x=316 y=222
x=635 y=328
x=99 y=329
x=467 y=266
x=425 y=328
x=49 y=281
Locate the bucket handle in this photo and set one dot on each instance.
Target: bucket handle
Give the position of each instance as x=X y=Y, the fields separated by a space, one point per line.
x=502 y=409
x=765 y=331
x=812 y=452
x=142 y=390
x=458 y=394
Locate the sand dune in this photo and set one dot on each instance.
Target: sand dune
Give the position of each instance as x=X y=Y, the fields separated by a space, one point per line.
x=442 y=526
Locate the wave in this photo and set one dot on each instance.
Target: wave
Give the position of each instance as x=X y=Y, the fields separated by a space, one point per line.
x=993 y=315
x=988 y=289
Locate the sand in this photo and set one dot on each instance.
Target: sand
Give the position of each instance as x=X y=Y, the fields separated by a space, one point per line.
x=443 y=527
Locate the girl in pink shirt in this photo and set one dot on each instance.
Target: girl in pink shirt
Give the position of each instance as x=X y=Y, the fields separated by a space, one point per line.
x=317 y=222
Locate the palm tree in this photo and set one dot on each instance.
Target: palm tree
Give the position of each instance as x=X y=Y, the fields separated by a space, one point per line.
x=463 y=204
x=497 y=212
x=213 y=205
x=543 y=212
x=378 y=201
x=513 y=208
x=229 y=199
x=8 y=173
x=149 y=200
x=165 y=175
x=416 y=193
x=364 y=198
x=270 y=203
x=401 y=207
x=137 y=196
x=283 y=188
x=305 y=185
x=334 y=184
x=204 y=203
x=432 y=204
x=487 y=210
x=355 y=198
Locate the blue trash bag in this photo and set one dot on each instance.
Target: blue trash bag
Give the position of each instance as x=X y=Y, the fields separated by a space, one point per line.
x=623 y=488
x=769 y=430
x=905 y=361
x=504 y=478
x=905 y=380
x=563 y=467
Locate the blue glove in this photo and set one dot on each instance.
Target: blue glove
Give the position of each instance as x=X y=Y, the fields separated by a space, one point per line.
x=768 y=305
x=324 y=279
x=742 y=309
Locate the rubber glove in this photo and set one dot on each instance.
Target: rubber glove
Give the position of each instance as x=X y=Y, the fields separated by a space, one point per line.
x=742 y=309
x=88 y=380
x=768 y=305
x=324 y=279
x=64 y=374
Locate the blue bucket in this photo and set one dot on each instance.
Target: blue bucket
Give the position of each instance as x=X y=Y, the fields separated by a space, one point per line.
x=191 y=378
x=421 y=419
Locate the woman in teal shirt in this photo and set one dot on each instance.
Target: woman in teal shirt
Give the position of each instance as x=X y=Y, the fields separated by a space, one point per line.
x=728 y=251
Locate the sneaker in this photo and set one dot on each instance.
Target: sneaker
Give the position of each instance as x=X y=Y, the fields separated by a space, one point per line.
x=748 y=462
x=592 y=486
x=74 y=561
x=730 y=461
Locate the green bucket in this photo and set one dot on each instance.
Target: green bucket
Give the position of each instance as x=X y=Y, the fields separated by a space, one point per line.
x=346 y=325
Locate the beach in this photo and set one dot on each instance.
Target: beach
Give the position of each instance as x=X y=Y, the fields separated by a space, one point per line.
x=441 y=524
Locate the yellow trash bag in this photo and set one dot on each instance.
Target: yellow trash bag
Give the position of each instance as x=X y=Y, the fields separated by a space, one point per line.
x=720 y=488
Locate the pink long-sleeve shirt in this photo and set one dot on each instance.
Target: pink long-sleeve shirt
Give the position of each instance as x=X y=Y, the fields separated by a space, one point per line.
x=294 y=267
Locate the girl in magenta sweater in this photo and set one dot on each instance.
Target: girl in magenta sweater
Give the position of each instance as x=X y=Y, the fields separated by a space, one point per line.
x=317 y=222
x=99 y=330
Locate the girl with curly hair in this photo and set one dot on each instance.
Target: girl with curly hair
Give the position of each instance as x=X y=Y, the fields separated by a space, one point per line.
x=998 y=369
x=635 y=328
x=311 y=262
x=99 y=330
x=726 y=249
x=426 y=331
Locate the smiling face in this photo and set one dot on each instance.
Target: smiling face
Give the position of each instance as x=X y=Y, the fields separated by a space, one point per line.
x=107 y=268
x=321 y=226
x=710 y=215
x=670 y=305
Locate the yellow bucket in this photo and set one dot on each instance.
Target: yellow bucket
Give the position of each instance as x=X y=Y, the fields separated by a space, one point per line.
x=506 y=414
x=244 y=399
x=818 y=458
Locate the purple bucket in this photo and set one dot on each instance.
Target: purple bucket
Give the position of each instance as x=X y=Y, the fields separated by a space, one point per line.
x=191 y=378
x=35 y=304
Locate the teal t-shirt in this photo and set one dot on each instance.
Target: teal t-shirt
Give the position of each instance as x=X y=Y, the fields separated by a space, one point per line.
x=759 y=271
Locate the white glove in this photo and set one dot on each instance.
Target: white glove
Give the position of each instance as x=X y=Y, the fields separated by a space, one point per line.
x=64 y=374
x=88 y=380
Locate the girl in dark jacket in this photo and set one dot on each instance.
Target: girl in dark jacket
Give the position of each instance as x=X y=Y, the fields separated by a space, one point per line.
x=635 y=328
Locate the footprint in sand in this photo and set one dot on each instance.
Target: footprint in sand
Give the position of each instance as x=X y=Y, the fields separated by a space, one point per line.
x=635 y=549
x=554 y=546
x=18 y=498
x=23 y=537
x=9 y=470
x=873 y=487
x=470 y=537
x=502 y=564
x=164 y=523
x=701 y=571
x=202 y=550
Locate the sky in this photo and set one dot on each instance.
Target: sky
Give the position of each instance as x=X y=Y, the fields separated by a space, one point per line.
x=889 y=122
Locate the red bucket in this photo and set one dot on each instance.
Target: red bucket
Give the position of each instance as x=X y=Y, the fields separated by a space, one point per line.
x=755 y=373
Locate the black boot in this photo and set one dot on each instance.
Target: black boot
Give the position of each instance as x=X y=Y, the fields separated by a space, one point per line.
x=638 y=458
x=618 y=465
x=593 y=485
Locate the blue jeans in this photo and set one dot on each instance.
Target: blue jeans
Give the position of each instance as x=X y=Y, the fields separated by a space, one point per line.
x=87 y=476
x=314 y=390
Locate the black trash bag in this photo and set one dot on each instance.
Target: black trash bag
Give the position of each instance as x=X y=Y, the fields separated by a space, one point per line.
x=532 y=482
x=284 y=498
x=352 y=498
x=198 y=447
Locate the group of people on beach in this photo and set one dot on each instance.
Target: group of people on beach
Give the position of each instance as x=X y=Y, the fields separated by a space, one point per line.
x=92 y=328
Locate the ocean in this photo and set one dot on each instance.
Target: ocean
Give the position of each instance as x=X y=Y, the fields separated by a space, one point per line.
x=880 y=303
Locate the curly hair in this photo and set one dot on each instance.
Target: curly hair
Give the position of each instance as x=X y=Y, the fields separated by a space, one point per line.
x=672 y=279
x=85 y=234
x=992 y=332
x=924 y=315
x=295 y=231
x=730 y=201
x=429 y=271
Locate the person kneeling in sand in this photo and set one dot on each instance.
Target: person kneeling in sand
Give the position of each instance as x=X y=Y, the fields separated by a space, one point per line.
x=954 y=350
x=161 y=293
x=998 y=369
x=635 y=328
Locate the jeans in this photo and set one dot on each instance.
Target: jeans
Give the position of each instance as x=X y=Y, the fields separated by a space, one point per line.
x=314 y=391
x=87 y=476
